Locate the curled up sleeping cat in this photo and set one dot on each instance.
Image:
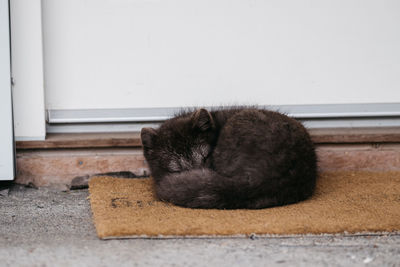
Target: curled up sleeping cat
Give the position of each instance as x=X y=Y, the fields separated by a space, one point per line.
x=231 y=158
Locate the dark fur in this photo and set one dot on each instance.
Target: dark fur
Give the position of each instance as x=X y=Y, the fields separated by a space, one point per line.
x=231 y=158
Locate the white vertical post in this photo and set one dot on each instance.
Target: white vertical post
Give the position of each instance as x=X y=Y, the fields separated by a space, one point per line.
x=27 y=69
x=6 y=133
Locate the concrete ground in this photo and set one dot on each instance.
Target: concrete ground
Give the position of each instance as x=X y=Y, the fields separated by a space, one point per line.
x=45 y=227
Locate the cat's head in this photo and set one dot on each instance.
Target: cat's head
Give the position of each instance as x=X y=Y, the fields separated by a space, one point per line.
x=180 y=144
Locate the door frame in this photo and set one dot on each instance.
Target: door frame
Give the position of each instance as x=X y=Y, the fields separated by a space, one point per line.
x=7 y=151
x=27 y=69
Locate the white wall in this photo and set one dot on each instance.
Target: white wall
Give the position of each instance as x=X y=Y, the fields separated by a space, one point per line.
x=153 y=53
x=27 y=69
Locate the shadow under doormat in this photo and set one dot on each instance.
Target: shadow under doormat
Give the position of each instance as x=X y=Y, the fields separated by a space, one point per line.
x=345 y=202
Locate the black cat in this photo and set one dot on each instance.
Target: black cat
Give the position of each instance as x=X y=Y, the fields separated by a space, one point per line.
x=231 y=158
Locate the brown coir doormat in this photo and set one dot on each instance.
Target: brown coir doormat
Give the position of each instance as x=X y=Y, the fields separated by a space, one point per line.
x=343 y=203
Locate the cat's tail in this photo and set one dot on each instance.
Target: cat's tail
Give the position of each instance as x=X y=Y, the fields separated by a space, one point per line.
x=204 y=188
x=198 y=188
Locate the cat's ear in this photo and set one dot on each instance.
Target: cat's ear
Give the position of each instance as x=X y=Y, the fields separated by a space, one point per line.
x=147 y=135
x=203 y=120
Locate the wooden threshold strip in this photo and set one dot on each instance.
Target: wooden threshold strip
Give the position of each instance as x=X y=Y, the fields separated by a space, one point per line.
x=355 y=135
x=84 y=140
x=132 y=139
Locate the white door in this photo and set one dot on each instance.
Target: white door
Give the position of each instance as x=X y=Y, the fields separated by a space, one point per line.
x=102 y=54
x=6 y=123
x=140 y=60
